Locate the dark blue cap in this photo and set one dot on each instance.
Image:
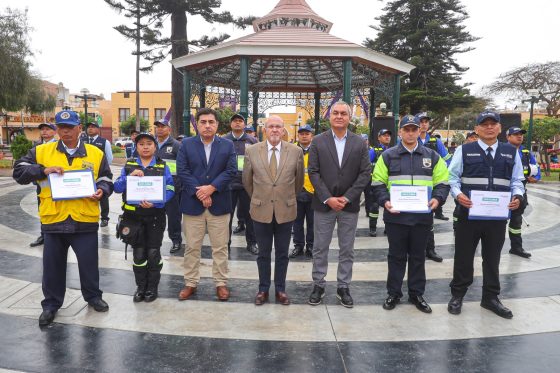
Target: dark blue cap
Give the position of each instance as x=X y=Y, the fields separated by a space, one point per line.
x=237 y=115
x=471 y=134
x=307 y=128
x=409 y=120
x=145 y=135
x=50 y=125
x=487 y=115
x=513 y=130
x=423 y=115
x=249 y=128
x=384 y=131
x=67 y=117
x=364 y=136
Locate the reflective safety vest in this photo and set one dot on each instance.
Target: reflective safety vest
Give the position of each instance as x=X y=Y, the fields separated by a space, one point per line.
x=80 y=210
x=526 y=162
x=158 y=169
x=306 y=182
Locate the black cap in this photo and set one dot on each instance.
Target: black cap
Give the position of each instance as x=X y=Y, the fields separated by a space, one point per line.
x=237 y=115
x=145 y=135
x=384 y=131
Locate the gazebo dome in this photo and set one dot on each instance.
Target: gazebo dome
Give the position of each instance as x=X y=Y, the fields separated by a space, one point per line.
x=292 y=13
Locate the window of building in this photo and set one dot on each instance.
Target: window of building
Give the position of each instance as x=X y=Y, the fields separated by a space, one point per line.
x=160 y=113
x=127 y=95
x=124 y=114
x=144 y=114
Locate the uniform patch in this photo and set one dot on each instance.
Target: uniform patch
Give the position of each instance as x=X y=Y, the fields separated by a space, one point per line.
x=427 y=162
x=473 y=155
x=65 y=115
x=169 y=149
x=125 y=231
x=87 y=165
x=506 y=155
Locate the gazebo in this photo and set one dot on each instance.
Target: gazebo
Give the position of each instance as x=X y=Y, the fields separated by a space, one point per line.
x=291 y=59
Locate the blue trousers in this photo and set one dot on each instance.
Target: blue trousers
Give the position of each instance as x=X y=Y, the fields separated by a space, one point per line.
x=174 y=218
x=55 y=256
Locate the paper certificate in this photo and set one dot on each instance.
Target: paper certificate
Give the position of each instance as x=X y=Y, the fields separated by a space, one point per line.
x=410 y=198
x=145 y=188
x=72 y=185
x=489 y=205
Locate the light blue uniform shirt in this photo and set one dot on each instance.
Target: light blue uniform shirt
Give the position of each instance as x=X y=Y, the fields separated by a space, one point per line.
x=340 y=144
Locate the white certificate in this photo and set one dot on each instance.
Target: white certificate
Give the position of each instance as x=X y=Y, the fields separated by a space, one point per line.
x=410 y=198
x=489 y=205
x=72 y=185
x=145 y=188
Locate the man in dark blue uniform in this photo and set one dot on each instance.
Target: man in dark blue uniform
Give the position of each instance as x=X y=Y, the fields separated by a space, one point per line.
x=130 y=149
x=93 y=138
x=372 y=207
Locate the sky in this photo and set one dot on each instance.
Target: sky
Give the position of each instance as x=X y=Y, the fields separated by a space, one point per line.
x=75 y=43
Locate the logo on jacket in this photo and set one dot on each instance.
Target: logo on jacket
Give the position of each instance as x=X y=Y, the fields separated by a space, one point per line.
x=87 y=165
x=426 y=162
x=169 y=149
x=506 y=155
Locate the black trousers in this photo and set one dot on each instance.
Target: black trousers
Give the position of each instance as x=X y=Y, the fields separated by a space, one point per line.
x=304 y=214
x=174 y=217
x=468 y=233
x=407 y=244
x=241 y=200
x=266 y=234
x=515 y=223
x=104 y=206
x=55 y=255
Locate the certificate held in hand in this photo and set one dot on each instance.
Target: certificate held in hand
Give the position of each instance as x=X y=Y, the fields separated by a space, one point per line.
x=489 y=205
x=72 y=185
x=145 y=188
x=410 y=198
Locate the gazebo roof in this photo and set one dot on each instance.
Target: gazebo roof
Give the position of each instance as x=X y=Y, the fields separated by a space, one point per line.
x=290 y=9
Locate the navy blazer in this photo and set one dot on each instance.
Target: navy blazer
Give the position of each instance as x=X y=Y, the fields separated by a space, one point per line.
x=193 y=171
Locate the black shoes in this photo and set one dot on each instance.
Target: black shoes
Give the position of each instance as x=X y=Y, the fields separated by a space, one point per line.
x=440 y=217
x=138 y=295
x=519 y=252
x=391 y=302
x=494 y=305
x=432 y=255
x=104 y=223
x=455 y=304
x=253 y=248
x=240 y=228
x=46 y=317
x=343 y=295
x=99 y=305
x=373 y=232
x=150 y=296
x=309 y=251
x=38 y=242
x=316 y=296
x=297 y=251
x=420 y=303
x=176 y=247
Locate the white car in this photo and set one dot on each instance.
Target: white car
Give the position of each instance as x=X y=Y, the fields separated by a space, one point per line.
x=123 y=141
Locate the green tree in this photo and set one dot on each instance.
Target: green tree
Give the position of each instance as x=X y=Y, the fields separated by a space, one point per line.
x=128 y=125
x=544 y=132
x=83 y=120
x=224 y=116
x=429 y=35
x=324 y=124
x=20 y=146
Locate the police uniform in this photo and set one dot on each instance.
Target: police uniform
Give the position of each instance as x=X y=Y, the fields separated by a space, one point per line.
x=143 y=228
x=130 y=150
x=239 y=197
x=477 y=166
x=407 y=233
x=516 y=220
x=67 y=223
x=372 y=207
x=105 y=146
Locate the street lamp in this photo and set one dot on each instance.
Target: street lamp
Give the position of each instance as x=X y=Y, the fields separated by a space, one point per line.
x=85 y=97
x=535 y=97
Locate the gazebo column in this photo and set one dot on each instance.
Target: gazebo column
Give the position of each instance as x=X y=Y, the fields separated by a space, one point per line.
x=317 y=112
x=187 y=103
x=371 y=114
x=202 y=95
x=244 y=87
x=396 y=101
x=347 y=81
x=255 y=110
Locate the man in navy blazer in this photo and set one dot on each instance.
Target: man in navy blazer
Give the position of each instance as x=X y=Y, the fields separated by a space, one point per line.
x=206 y=165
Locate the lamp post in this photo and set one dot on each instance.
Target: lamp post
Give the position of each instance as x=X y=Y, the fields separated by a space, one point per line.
x=5 y=115
x=85 y=96
x=535 y=97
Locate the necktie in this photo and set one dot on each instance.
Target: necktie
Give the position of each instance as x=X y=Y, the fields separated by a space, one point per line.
x=489 y=157
x=273 y=163
x=91 y=140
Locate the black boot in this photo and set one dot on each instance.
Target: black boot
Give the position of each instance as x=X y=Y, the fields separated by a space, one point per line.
x=141 y=277
x=431 y=248
x=155 y=263
x=372 y=227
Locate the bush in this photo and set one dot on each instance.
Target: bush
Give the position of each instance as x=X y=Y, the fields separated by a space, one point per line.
x=116 y=149
x=20 y=146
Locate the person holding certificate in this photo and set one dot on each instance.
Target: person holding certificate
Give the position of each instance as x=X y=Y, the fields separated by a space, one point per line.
x=486 y=179
x=410 y=181
x=72 y=177
x=146 y=185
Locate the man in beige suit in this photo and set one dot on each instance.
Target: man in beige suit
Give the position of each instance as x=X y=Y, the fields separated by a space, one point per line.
x=273 y=176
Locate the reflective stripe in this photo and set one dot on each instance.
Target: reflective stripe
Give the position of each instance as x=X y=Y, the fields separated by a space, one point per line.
x=514 y=231
x=373 y=215
x=502 y=182
x=415 y=177
x=455 y=219
x=143 y=264
x=24 y=164
x=484 y=181
x=172 y=164
x=240 y=162
x=161 y=262
x=447 y=156
x=376 y=183
x=104 y=178
x=129 y=207
x=170 y=187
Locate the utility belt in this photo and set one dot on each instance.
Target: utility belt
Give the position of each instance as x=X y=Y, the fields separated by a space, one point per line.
x=130 y=227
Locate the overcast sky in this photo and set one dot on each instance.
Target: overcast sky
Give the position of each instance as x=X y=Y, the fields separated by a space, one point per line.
x=76 y=44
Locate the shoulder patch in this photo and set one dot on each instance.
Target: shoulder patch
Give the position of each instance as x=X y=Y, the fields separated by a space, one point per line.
x=426 y=162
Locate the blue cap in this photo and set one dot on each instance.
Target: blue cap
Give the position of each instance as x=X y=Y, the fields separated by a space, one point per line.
x=364 y=136
x=409 y=120
x=163 y=121
x=237 y=115
x=471 y=134
x=249 y=129
x=487 y=115
x=307 y=128
x=50 y=125
x=423 y=115
x=384 y=131
x=513 y=130
x=92 y=123
x=144 y=135
x=67 y=117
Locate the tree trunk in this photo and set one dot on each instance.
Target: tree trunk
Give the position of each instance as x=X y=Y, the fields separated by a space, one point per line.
x=179 y=48
x=138 y=65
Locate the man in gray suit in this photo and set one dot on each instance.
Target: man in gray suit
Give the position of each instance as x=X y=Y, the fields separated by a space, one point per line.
x=339 y=170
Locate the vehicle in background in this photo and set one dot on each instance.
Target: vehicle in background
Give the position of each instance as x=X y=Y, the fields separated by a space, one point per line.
x=122 y=141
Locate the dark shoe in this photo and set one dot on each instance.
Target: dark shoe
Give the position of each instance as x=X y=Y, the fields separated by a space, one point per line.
x=104 y=223
x=38 y=242
x=99 y=305
x=372 y=227
x=440 y=217
x=139 y=295
x=494 y=305
x=316 y=296
x=253 y=248
x=519 y=252
x=261 y=298
x=420 y=303
x=222 y=293
x=282 y=298
x=373 y=232
x=186 y=292
x=391 y=302
x=240 y=228
x=150 y=296
x=309 y=251
x=432 y=255
x=176 y=247
x=46 y=317
x=455 y=304
x=343 y=295
x=297 y=251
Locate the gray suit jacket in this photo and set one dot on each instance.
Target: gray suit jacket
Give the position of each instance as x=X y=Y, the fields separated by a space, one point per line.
x=333 y=180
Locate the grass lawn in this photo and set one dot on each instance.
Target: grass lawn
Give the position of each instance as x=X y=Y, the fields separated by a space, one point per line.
x=5 y=163
x=554 y=176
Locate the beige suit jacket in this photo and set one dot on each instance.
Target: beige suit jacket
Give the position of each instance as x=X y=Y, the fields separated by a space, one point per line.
x=273 y=197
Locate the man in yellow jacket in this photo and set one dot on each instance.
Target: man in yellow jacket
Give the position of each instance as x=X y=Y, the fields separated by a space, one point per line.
x=67 y=222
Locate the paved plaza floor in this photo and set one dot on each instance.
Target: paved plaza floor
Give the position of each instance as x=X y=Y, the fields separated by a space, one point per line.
x=204 y=335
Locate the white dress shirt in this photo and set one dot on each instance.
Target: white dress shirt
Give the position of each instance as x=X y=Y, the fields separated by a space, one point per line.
x=340 y=144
